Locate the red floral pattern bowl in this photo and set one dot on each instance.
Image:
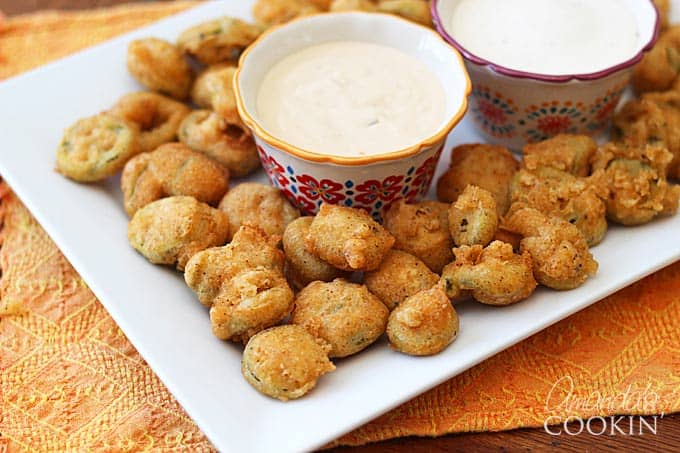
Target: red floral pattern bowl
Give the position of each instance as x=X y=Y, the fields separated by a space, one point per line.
x=310 y=177
x=512 y=108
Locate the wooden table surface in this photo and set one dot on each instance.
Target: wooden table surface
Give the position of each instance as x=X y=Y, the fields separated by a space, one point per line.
x=668 y=428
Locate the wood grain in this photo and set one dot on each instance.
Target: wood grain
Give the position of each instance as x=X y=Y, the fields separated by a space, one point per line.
x=668 y=428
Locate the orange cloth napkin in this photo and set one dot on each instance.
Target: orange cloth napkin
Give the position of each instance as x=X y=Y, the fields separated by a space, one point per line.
x=70 y=380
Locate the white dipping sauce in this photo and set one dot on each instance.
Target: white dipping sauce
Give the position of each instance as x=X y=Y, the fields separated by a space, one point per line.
x=550 y=37
x=350 y=98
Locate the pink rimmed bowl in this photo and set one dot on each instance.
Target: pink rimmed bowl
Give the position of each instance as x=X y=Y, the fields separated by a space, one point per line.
x=512 y=108
x=311 y=177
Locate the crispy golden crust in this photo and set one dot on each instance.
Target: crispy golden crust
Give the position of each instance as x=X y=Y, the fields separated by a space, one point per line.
x=250 y=302
x=486 y=166
x=422 y=229
x=568 y=153
x=172 y=169
x=660 y=67
x=172 y=230
x=494 y=275
x=209 y=270
x=284 y=362
x=214 y=90
x=96 y=147
x=344 y=315
x=664 y=8
x=303 y=267
x=157 y=117
x=399 y=276
x=473 y=218
x=638 y=189
x=353 y=5
x=160 y=66
x=423 y=324
x=272 y=12
x=258 y=205
x=218 y=40
x=414 y=10
x=559 y=252
x=579 y=201
x=229 y=144
x=347 y=238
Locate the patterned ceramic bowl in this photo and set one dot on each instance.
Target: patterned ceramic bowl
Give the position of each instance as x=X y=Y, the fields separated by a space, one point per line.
x=512 y=108
x=310 y=177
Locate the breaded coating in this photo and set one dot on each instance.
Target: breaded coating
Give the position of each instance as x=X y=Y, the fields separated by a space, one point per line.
x=565 y=152
x=250 y=302
x=368 y=6
x=96 y=147
x=579 y=201
x=660 y=67
x=423 y=324
x=559 y=252
x=172 y=169
x=414 y=10
x=229 y=144
x=486 y=166
x=399 y=276
x=207 y=272
x=160 y=66
x=422 y=229
x=494 y=275
x=639 y=192
x=259 y=205
x=284 y=362
x=171 y=230
x=214 y=90
x=664 y=8
x=473 y=218
x=218 y=40
x=273 y=12
x=344 y=315
x=157 y=117
x=347 y=238
x=303 y=267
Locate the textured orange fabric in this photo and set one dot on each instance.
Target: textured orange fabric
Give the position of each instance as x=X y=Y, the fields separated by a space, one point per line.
x=70 y=381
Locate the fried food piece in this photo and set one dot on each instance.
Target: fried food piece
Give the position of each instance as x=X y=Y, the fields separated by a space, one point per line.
x=565 y=152
x=414 y=10
x=214 y=90
x=664 y=9
x=229 y=144
x=158 y=117
x=559 y=252
x=423 y=324
x=173 y=169
x=660 y=67
x=218 y=40
x=368 y=6
x=259 y=205
x=208 y=271
x=348 y=238
x=473 y=218
x=250 y=302
x=96 y=147
x=639 y=191
x=343 y=314
x=171 y=230
x=273 y=12
x=422 y=229
x=579 y=201
x=160 y=66
x=284 y=362
x=508 y=237
x=669 y=102
x=494 y=275
x=303 y=267
x=399 y=276
x=486 y=166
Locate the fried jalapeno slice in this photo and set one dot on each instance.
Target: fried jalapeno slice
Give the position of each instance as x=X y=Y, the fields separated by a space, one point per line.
x=273 y=12
x=218 y=40
x=160 y=66
x=473 y=218
x=565 y=152
x=96 y=147
x=172 y=230
x=214 y=90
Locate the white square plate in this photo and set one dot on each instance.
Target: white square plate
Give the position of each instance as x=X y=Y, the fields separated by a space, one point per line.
x=161 y=316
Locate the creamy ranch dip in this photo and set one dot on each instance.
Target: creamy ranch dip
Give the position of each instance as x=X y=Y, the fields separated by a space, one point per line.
x=350 y=98
x=550 y=37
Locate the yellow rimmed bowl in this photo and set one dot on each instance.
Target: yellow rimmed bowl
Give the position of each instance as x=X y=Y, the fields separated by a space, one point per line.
x=311 y=177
